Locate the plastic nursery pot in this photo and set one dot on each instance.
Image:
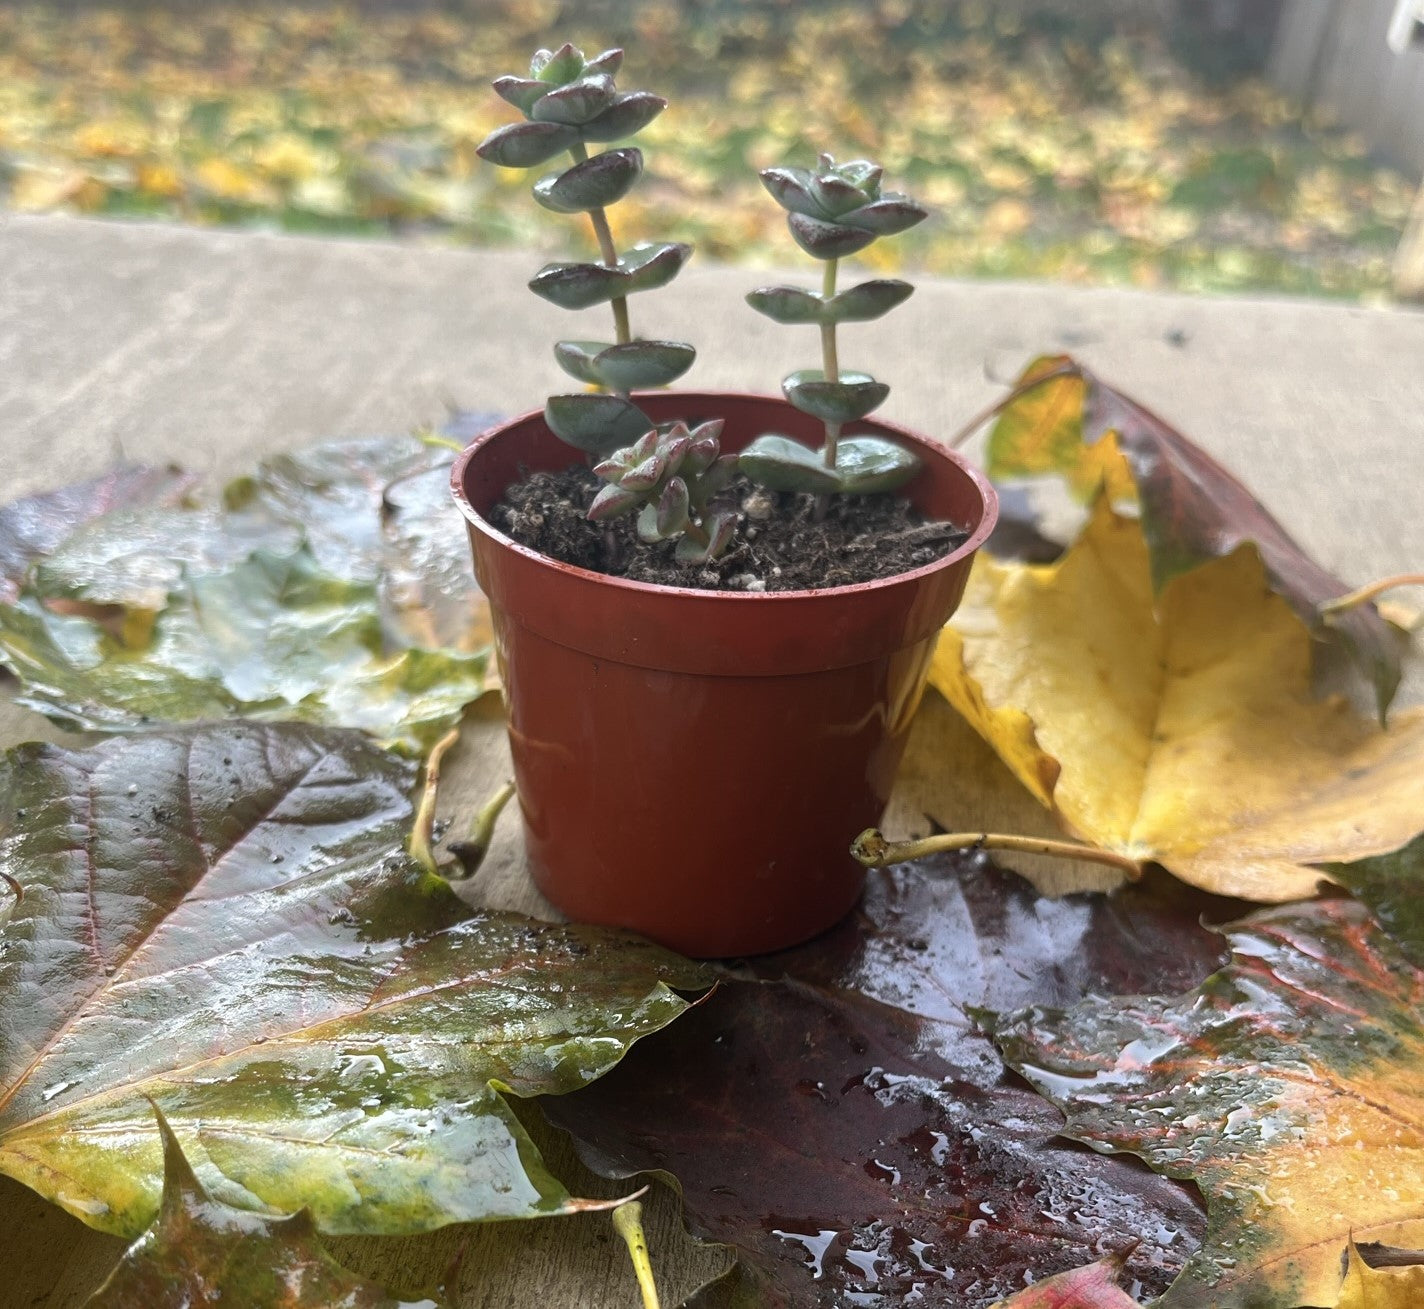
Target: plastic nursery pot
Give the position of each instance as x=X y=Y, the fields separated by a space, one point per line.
x=693 y=765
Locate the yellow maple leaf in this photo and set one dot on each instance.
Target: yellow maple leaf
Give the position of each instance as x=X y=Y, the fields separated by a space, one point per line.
x=1381 y=1288
x=1183 y=732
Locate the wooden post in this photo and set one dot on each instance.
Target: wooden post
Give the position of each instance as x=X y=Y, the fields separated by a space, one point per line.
x=1409 y=258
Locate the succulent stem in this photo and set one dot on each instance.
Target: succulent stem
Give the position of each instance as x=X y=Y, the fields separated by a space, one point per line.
x=628 y=1222
x=1367 y=593
x=830 y=363
x=421 y=843
x=604 y=233
x=874 y=851
x=472 y=850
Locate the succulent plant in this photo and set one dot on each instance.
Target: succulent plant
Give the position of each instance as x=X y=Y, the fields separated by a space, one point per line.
x=670 y=477
x=568 y=102
x=834 y=210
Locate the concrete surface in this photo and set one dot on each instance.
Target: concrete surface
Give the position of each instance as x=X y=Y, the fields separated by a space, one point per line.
x=215 y=348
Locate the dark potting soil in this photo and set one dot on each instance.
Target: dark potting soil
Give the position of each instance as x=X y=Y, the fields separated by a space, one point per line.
x=779 y=545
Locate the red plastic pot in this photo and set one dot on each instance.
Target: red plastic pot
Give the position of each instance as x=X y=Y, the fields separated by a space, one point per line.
x=693 y=765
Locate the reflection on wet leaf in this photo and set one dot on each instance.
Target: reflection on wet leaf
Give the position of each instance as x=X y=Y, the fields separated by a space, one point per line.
x=852 y=1136
x=332 y=585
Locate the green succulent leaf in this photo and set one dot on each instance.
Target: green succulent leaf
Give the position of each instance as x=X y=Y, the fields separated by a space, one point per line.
x=521 y=92
x=555 y=67
x=200 y=1251
x=824 y=240
x=791 y=189
x=650 y=265
x=672 y=508
x=299 y=598
x=782 y=464
x=222 y=921
x=890 y=214
x=720 y=529
x=597 y=424
x=788 y=304
x=525 y=145
x=613 y=501
x=865 y=465
x=578 y=286
x=632 y=365
x=834 y=195
x=592 y=184
x=872 y=465
x=609 y=61
x=625 y=117
x=575 y=103
x=868 y=300
x=843 y=401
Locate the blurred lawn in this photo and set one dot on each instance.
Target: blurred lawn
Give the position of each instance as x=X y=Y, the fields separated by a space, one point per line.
x=1049 y=151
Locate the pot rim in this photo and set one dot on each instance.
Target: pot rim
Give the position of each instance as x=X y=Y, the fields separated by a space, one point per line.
x=977 y=536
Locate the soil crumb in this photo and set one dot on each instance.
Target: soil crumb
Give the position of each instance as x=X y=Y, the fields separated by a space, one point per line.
x=779 y=545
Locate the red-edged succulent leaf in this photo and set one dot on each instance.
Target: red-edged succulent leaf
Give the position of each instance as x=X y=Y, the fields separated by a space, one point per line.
x=852 y=1135
x=1287 y=1087
x=224 y=922
x=1193 y=509
x=203 y=1254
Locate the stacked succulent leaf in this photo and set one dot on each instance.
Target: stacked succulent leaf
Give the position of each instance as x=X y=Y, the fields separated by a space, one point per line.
x=834 y=210
x=671 y=477
x=569 y=102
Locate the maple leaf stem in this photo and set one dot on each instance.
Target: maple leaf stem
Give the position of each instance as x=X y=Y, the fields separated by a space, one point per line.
x=472 y=850
x=628 y=1222
x=1366 y=593
x=1067 y=369
x=15 y=886
x=420 y=845
x=874 y=851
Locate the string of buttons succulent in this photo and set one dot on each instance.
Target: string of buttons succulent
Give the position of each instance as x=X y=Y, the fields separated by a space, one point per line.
x=833 y=211
x=670 y=475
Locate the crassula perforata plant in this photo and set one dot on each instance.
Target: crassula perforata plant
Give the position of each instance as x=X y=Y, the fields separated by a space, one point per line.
x=834 y=210
x=568 y=103
x=670 y=477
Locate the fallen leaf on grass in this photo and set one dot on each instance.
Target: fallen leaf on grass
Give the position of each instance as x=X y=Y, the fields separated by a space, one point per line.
x=1193 y=509
x=1177 y=727
x=854 y=1151
x=223 y=921
x=201 y=1254
x=1287 y=1087
x=1093 y=1286
x=308 y=595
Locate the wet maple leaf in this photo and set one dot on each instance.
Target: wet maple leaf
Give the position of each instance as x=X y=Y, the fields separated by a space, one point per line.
x=203 y=1254
x=223 y=922
x=331 y=585
x=1178 y=727
x=848 y=1130
x=1286 y=1086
